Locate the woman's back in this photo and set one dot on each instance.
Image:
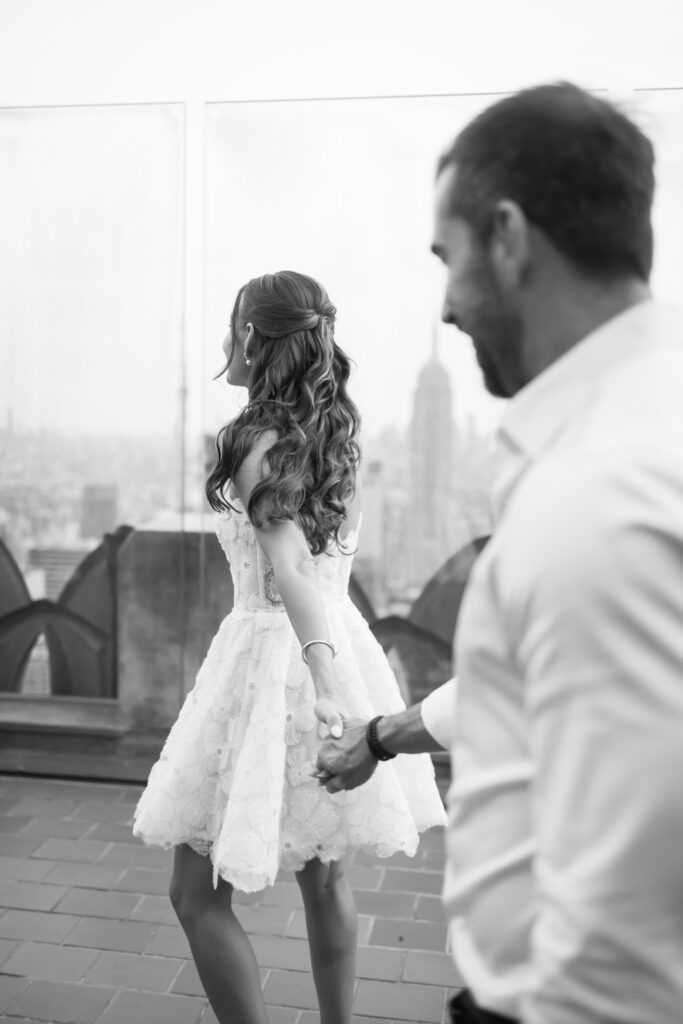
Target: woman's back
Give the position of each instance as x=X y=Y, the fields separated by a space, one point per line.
x=252 y=571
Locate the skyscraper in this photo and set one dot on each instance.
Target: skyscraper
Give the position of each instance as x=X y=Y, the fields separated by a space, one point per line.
x=431 y=468
x=99 y=509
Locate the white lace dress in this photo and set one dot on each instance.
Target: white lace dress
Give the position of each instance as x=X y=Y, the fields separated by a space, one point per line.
x=234 y=777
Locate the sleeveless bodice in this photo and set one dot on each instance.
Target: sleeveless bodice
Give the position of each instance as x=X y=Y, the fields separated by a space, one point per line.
x=252 y=572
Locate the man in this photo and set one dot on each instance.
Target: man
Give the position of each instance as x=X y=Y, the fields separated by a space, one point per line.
x=564 y=881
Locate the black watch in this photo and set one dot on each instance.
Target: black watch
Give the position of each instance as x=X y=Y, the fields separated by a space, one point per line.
x=379 y=752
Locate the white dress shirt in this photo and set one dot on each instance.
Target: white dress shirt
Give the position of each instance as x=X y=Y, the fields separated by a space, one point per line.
x=438 y=713
x=564 y=881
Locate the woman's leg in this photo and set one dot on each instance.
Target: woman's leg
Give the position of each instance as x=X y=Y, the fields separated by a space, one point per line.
x=223 y=955
x=332 y=936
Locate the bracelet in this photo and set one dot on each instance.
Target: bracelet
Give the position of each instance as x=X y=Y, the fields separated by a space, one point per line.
x=328 y=643
x=379 y=752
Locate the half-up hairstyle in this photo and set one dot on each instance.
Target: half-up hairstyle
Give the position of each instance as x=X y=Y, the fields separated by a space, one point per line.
x=297 y=387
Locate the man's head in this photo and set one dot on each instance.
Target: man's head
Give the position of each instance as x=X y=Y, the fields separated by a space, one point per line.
x=549 y=177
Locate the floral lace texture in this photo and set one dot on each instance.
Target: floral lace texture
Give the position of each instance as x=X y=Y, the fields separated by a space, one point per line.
x=234 y=778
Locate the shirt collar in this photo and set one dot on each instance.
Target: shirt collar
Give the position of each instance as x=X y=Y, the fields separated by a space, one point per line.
x=538 y=412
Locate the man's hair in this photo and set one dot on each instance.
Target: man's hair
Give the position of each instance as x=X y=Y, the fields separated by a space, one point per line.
x=581 y=171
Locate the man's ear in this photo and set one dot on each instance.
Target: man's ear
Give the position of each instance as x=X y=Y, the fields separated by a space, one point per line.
x=509 y=242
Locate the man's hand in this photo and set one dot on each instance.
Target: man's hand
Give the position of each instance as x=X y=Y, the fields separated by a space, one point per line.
x=347 y=762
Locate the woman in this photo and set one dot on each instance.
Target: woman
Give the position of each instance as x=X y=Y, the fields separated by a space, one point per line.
x=234 y=790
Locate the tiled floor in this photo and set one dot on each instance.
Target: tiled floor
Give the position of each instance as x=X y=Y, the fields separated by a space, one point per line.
x=87 y=933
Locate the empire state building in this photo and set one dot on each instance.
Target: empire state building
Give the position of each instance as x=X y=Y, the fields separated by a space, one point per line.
x=431 y=472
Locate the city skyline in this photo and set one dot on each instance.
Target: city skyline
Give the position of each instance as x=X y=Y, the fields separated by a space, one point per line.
x=452 y=349
x=59 y=494
x=46 y=478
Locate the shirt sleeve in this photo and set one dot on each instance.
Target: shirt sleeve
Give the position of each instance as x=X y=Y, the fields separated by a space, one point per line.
x=438 y=713
x=594 y=600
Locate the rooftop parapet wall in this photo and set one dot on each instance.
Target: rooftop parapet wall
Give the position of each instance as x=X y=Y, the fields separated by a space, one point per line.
x=174 y=589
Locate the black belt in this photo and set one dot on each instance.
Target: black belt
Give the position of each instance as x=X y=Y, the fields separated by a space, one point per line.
x=464 y=1010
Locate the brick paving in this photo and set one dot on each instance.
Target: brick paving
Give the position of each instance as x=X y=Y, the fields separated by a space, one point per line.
x=88 y=935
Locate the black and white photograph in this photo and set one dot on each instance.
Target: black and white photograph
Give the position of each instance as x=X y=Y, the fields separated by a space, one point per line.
x=341 y=512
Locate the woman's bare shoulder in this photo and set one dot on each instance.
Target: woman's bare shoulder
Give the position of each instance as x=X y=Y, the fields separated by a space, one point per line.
x=252 y=470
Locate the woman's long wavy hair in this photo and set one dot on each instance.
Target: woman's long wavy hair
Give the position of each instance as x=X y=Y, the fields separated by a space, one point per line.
x=297 y=387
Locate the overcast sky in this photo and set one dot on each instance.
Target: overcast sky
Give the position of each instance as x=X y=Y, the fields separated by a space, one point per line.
x=92 y=221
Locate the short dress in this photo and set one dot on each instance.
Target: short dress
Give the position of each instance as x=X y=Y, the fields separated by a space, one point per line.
x=234 y=777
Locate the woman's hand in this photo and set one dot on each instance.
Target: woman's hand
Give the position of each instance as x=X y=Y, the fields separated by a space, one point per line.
x=327 y=711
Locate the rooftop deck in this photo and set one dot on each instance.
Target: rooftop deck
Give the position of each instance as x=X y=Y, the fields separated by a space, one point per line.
x=88 y=935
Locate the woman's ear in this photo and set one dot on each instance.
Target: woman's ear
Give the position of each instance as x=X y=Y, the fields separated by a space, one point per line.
x=247 y=341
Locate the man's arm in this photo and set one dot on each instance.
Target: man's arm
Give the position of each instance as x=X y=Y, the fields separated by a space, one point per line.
x=348 y=762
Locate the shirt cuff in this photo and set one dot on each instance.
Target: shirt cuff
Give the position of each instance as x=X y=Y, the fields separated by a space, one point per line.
x=438 y=713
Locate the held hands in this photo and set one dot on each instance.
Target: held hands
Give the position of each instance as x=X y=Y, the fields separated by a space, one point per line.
x=327 y=711
x=345 y=763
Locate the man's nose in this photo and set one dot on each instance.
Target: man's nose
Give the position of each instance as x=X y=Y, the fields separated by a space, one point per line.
x=446 y=312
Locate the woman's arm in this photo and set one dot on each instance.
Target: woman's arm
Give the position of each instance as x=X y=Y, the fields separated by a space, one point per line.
x=294 y=574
